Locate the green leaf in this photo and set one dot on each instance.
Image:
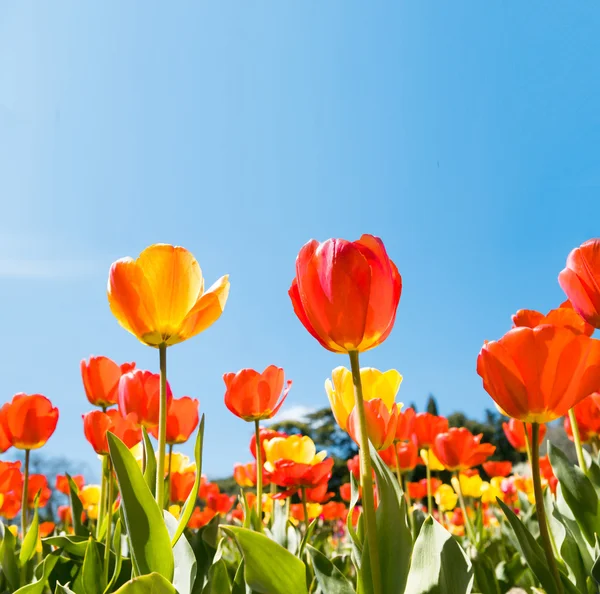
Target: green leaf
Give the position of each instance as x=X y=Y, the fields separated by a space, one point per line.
x=188 y=507
x=393 y=534
x=153 y=583
x=39 y=586
x=307 y=536
x=31 y=538
x=204 y=545
x=185 y=561
x=149 y=462
x=485 y=578
x=118 y=557
x=531 y=550
x=150 y=542
x=218 y=579
x=439 y=565
x=92 y=575
x=268 y=567
x=329 y=577
x=76 y=508
x=10 y=567
x=579 y=493
x=74 y=545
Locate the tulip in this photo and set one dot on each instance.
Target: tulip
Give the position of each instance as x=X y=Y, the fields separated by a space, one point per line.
x=426 y=427
x=515 y=434
x=334 y=510
x=182 y=420
x=537 y=374
x=62 y=483
x=346 y=491
x=375 y=384
x=90 y=499
x=264 y=435
x=381 y=423
x=459 y=449
x=139 y=393
x=300 y=514
x=97 y=424
x=564 y=316
x=354 y=466
x=580 y=280
x=160 y=299
x=245 y=475
x=200 y=518
x=446 y=498
x=220 y=503
x=101 y=379
x=492 y=491
x=181 y=485
x=37 y=484
x=406 y=422
x=318 y=494
x=587 y=415
x=497 y=469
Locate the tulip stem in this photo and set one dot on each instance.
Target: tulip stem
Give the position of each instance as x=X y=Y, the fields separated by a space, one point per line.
x=109 y=510
x=429 y=494
x=366 y=476
x=463 y=507
x=577 y=440
x=169 y=475
x=397 y=461
x=539 y=505
x=259 y=475
x=103 y=494
x=305 y=509
x=24 y=497
x=162 y=427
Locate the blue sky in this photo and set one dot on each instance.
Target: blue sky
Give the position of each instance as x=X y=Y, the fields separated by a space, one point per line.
x=465 y=134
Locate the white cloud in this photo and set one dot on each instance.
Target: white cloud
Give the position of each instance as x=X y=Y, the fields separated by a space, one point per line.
x=293 y=413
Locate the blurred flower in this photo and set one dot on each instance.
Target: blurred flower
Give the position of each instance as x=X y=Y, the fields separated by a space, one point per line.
x=375 y=384
x=160 y=297
x=430 y=459
x=405 y=427
x=200 y=518
x=334 y=510
x=525 y=485
x=319 y=494
x=62 y=483
x=179 y=463
x=346 y=491
x=354 y=466
x=459 y=449
x=46 y=529
x=470 y=485
x=494 y=468
x=492 y=490
x=426 y=428
x=297 y=511
x=181 y=486
x=175 y=510
x=101 y=378
x=418 y=491
x=445 y=497
x=139 y=393
x=182 y=420
x=90 y=499
x=28 y=421
x=587 y=414
x=580 y=280
x=538 y=374
x=264 y=435
x=381 y=423
x=515 y=434
x=346 y=293
x=245 y=475
x=97 y=424
x=64 y=514
x=220 y=503
x=253 y=396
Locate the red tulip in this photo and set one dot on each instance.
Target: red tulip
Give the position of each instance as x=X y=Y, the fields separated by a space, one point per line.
x=587 y=413
x=493 y=468
x=4 y=437
x=101 y=377
x=564 y=316
x=427 y=427
x=139 y=393
x=346 y=293
x=62 y=483
x=97 y=424
x=515 y=433
x=318 y=494
x=459 y=449
x=181 y=486
x=538 y=374
x=182 y=420
x=407 y=456
x=580 y=280
x=381 y=423
x=38 y=483
x=406 y=422
x=200 y=518
x=293 y=475
x=334 y=510
x=354 y=466
x=253 y=396
x=346 y=491
x=220 y=503
x=29 y=421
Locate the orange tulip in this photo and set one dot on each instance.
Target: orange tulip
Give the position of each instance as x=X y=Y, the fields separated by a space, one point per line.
x=253 y=396
x=181 y=486
x=220 y=503
x=38 y=483
x=46 y=529
x=381 y=423
x=245 y=475
x=29 y=421
x=101 y=377
x=459 y=449
x=354 y=466
x=4 y=437
x=62 y=483
x=580 y=280
x=182 y=420
x=515 y=434
x=334 y=510
x=426 y=427
x=318 y=494
x=406 y=423
x=537 y=374
x=139 y=393
x=493 y=468
x=200 y=518
x=11 y=487
x=346 y=293
x=97 y=424
x=346 y=491
x=587 y=413
x=407 y=456
x=564 y=316
x=160 y=297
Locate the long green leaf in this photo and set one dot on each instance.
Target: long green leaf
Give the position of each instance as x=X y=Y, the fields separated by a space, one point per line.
x=329 y=577
x=92 y=575
x=185 y=561
x=188 y=507
x=39 y=586
x=10 y=567
x=74 y=545
x=149 y=462
x=268 y=567
x=76 y=508
x=31 y=538
x=153 y=583
x=150 y=542
x=439 y=564
x=118 y=557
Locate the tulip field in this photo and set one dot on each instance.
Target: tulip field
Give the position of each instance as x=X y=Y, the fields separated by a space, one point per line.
x=155 y=524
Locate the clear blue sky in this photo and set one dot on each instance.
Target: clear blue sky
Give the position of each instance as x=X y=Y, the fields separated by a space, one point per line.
x=465 y=134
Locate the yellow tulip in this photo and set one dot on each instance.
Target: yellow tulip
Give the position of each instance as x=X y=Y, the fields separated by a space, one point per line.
x=445 y=497
x=490 y=491
x=430 y=459
x=175 y=510
x=160 y=297
x=297 y=448
x=375 y=384
x=14 y=529
x=470 y=485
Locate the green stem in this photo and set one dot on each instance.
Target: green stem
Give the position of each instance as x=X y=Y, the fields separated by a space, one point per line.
x=397 y=461
x=109 y=506
x=24 y=497
x=429 y=494
x=527 y=442
x=539 y=505
x=366 y=476
x=463 y=507
x=273 y=491
x=259 y=475
x=577 y=441
x=168 y=499
x=162 y=427
x=102 y=505
x=305 y=508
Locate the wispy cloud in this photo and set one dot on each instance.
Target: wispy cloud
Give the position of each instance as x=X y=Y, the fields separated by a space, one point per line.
x=293 y=413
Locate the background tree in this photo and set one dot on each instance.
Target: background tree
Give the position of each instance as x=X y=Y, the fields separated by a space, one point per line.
x=432 y=407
